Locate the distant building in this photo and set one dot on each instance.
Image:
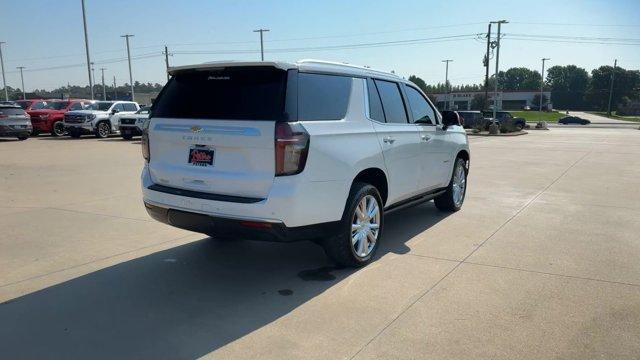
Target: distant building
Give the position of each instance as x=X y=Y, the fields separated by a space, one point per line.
x=507 y=100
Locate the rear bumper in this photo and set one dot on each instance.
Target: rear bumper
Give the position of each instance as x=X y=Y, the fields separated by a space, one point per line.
x=7 y=131
x=221 y=227
x=291 y=202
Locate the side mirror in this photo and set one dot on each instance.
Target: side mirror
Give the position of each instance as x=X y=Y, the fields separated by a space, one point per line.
x=115 y=111
x=450 y=118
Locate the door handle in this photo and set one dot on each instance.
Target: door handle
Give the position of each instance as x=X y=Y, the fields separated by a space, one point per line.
x=425 y=138
x=388 y=139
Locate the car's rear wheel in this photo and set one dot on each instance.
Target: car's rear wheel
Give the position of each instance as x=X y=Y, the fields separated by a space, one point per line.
x=360 y=229
x=23 y=137
x=103 y=130
x=453 y=197
x=58 y=129
x=126 y=135
x=75 y=134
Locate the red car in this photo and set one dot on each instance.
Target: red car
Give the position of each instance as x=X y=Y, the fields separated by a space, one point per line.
x=31 y=104
x=50 y=118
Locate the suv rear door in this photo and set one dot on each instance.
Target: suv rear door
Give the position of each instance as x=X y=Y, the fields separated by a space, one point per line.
x=398 y=138
x=212 y=130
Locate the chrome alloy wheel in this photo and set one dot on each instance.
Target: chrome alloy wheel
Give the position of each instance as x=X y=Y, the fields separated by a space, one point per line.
x=103 y=129
x=459 y=184
x=365 y=226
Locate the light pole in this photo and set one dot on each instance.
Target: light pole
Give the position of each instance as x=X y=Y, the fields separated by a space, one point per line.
x=495 y=89
x=542 y=82
x=115 y=89
x=613 y=76
x=86 y=45
x=4 y=79
x=127 y=36
x=93 y=76
x=446 y=82
x=486 y=74
x=24 y=95
x=166 y=60
x=104 y=89
x=261 y=31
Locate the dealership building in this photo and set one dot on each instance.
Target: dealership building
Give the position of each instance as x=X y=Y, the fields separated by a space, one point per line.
x=506 y=100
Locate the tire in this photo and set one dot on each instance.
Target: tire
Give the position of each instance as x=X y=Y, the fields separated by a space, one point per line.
x=57 y=129
x=35 y=133
x=103 y=129
x=341 y=248
x=23 y=137
x=75 y=134
x=451 y=199
x=127 y=136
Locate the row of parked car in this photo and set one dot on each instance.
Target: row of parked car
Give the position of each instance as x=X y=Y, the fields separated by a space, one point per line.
x=73 y=117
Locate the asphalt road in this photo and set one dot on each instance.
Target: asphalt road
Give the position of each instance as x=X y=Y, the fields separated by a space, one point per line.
x=542 y=262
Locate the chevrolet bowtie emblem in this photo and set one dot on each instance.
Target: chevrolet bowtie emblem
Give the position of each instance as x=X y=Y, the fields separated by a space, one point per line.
x=196 y=129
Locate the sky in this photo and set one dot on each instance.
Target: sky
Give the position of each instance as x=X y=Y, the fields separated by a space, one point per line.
x=47 y=38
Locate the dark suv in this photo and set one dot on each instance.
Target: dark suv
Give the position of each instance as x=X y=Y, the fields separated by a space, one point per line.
x=506 y=120
x=474 y=120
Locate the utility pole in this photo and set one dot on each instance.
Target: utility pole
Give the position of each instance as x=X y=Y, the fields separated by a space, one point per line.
x=542 y=82
x=495 y=90
x=127 y=36
x=261 y=31
x=104 y=88
x=4 y=78
x=24 y=95
x=486 y=65
x=166 y=60
x=93 y=76
x=86 y=45
x=446 y=82
x=613 y=76
x=115 y=89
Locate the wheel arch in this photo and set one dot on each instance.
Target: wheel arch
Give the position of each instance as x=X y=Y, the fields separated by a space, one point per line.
x=376 y=177
x=464 y=155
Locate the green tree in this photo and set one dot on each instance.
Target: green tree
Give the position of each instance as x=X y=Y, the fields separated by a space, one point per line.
x=519 y=78
x=568 y=85
x=536 y=102
x=419 y=82
x=626 y=84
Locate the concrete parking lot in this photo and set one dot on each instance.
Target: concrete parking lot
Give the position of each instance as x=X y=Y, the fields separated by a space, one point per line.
x=541 y=262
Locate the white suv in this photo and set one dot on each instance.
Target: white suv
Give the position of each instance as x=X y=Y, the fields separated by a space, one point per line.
x=311 y=150
x=100 y=118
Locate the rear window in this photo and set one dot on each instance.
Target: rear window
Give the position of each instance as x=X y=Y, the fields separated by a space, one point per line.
x=232 y=93
x=323 y=97
x=24 y=104
x=11 y=111
x=392 y=102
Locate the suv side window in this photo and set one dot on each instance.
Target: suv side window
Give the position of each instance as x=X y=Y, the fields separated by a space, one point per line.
x=323 y=97
x=420 y=108
x=392 y=102
x=375 y=105
x=118 y=107
x=130 y=107
x=76 y=106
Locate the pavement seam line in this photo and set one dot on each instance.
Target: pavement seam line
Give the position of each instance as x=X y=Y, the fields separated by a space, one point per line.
x=518 y=212
x=92 y=213
x=553 y=274
x=91 y=262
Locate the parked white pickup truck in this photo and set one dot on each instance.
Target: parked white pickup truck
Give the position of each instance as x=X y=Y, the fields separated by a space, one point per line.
x=100 y=118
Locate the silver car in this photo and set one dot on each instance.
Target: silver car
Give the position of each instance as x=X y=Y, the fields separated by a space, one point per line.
x=14 y=122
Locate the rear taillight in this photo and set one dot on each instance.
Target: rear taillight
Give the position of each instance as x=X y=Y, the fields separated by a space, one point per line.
x=291 y=147
x=146 y=151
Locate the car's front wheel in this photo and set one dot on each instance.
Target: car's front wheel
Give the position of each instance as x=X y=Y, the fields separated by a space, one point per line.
x=103 y=130
x=453 y=197
x=360 y=229
x=58 y=128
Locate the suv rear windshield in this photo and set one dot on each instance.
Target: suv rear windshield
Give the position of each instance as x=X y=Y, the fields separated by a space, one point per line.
x=11 y=111
x=256 y=93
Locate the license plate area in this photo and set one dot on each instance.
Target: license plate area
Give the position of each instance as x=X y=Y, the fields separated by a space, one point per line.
x=201 y=155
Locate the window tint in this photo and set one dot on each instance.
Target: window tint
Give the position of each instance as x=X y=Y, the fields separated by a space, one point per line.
x=119 y=107
x=375 y=105
x=391 y=102
x=323 y=97
x=130 y=107
x=420 y=109
x=236 y=93
x=76 y=106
